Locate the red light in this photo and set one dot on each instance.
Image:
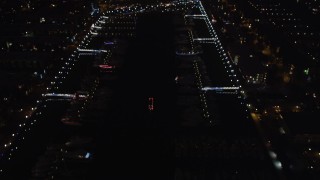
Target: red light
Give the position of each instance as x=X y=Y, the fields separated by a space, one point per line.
x=105 y=66
x=150 y=105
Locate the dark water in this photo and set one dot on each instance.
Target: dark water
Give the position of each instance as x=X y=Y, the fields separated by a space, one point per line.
x=134 y=142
